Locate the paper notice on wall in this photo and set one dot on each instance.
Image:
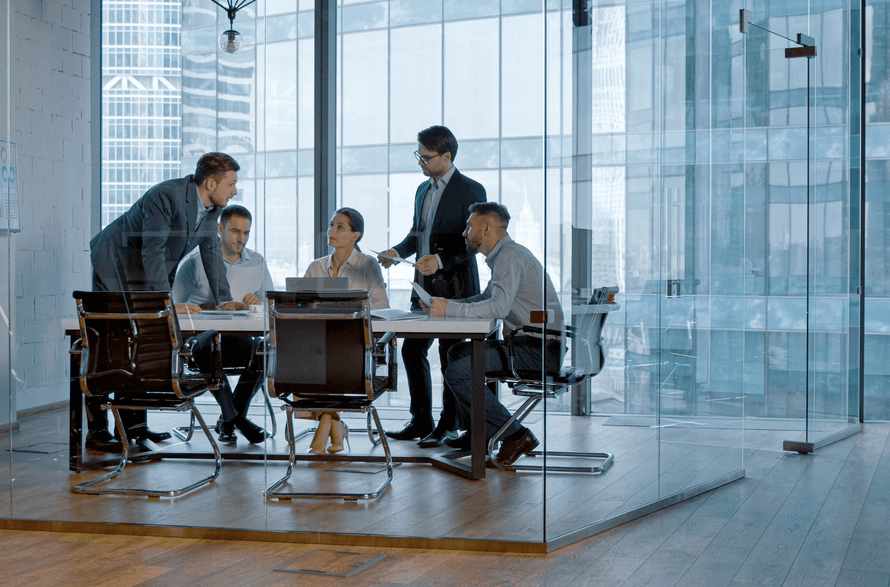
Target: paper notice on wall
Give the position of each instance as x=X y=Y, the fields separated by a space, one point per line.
x=9 y=187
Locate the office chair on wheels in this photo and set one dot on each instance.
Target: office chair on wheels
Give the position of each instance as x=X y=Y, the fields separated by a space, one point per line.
x=322 y=356
x=589 y=357
x=131 y=348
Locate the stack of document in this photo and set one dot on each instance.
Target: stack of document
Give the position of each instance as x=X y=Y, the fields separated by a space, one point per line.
x=395 y=314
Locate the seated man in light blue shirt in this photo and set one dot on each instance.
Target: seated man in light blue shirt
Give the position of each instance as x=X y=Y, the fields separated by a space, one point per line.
x=515 y=290
x=248 y=278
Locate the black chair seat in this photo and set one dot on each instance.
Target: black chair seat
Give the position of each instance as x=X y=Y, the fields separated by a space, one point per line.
x=565 y=376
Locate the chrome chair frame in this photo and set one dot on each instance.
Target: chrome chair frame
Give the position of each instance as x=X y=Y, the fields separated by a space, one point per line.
x=284 y=306
x=531 y=385
x=178 y=397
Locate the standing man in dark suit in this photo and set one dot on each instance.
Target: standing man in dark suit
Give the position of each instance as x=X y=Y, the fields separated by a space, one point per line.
x=140 y=251
x=443 y=268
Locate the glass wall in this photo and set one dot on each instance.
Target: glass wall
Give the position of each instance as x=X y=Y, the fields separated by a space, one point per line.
x=652 y=146
x=7 y=394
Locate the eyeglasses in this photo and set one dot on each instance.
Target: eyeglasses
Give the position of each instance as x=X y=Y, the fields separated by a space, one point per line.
x=425 y=160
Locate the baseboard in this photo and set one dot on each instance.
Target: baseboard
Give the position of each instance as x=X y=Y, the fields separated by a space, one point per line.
x=37 y=410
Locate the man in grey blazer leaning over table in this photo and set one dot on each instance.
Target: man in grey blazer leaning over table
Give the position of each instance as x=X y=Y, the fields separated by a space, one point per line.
x=140 y=251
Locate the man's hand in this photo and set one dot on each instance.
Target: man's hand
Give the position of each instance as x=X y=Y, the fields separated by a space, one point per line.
x=387 y=263
x=251 y=299
x=438 y=308
x=427 y=265
x=233 y=306
x=187 y=308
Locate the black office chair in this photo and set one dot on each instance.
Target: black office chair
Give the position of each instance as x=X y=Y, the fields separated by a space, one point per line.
x=589 y=359
x=322 y=356
x=131 y=347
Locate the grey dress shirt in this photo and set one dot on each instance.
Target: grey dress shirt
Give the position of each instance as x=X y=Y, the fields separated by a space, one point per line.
x=514 y=290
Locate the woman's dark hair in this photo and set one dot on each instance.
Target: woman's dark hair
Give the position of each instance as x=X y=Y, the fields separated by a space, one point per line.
x=214 y=165
x=356 y=222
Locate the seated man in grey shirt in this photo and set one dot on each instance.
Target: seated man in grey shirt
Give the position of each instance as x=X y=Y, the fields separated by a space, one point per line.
x=514 y=291
x=248 y=278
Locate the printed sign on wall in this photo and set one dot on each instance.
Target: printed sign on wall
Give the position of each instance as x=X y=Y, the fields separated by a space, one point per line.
x=9 y=187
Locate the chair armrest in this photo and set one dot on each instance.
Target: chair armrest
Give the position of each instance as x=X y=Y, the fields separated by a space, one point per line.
x=385 y=353
x=76 y=347
x=186 y=353
x=381 y=342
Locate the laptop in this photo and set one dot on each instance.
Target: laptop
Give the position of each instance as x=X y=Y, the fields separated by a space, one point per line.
x=316 y=284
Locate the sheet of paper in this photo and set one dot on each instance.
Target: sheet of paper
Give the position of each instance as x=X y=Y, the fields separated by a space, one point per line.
x=393 y=258
x=396 y=314
x=425 y=297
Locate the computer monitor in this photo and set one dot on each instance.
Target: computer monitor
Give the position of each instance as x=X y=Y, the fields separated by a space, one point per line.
x=316 y=284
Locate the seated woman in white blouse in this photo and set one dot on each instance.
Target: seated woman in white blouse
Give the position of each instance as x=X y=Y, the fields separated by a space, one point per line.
x=363 y=271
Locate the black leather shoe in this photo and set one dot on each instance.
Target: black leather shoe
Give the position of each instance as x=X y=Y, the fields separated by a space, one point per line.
x=412 y=430
x=102 y=441
x=459 y=442
x=437 y=438
x=146 y=434
x=516 y=445
x=226 y=432
x=253 y=433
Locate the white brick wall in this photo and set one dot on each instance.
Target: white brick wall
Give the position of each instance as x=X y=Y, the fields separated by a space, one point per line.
x=51 y=124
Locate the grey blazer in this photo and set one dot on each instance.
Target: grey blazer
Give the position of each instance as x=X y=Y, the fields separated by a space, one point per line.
x=141 y=249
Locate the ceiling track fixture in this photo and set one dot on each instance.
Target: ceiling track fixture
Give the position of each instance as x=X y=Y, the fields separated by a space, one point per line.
x=231 y=40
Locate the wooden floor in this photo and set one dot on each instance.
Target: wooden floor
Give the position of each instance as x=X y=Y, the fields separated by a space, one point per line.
x=422 y=502
x=820 y=520
x=814 y=520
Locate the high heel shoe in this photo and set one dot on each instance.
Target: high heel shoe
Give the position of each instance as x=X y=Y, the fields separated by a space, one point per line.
x=339 y=433
x=322 y=433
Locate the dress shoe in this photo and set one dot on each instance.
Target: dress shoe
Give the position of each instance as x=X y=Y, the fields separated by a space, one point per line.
x=437 y=438
x=462 y=442
x=102 y=441
x=517 y=444
x=412 y=430
x=253 y=433
x=322 y=434
x=226 y=431
x=146 y=434
x=339 y=433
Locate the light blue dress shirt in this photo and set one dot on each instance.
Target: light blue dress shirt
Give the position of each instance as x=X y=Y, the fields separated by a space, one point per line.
x=249 y=274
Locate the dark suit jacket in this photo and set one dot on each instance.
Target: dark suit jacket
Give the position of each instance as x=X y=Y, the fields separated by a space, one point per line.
x=141 y=249
x=458 y=277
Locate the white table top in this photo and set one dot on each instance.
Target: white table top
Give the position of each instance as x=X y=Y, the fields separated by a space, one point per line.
x=196 y=322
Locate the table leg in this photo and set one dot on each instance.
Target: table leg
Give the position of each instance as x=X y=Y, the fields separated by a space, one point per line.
x=477 y=424
x=75 y=411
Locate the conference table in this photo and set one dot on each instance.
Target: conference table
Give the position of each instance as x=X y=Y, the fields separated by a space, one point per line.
x=422 y=326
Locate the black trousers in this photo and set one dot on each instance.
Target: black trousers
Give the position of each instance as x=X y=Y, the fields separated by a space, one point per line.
x=239 y=354
x=420 y=384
